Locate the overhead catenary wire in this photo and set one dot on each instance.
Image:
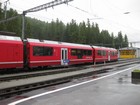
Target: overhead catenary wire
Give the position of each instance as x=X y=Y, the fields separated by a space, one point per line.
x=96 y=17
x=83 y=10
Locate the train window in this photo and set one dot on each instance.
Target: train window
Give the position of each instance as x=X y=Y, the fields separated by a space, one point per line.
x=104 y=53
x=112 y=53
x=89 y=52
x=86 y=52
x=48 y=51
x=37 y=51
x=73 y=52
x=76 y=52
x=42 y=51
x=99 y=52
x=81 y=52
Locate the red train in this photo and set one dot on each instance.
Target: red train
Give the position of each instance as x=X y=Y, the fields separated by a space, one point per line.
x=15 y=53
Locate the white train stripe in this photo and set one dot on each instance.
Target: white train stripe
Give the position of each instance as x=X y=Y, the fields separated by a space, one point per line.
x=42 y=61
x=79 y=59
x=102 y=58
x=10 y=62
x=57 y=60
x=45 y=61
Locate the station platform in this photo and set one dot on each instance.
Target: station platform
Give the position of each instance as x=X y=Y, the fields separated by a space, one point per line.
x=112 y=88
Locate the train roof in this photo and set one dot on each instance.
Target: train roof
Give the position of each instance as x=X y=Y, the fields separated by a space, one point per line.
x=103 y=47
x=12 y=38
x=57 y=42
x=75 y=44
x=66 y=44
x=129 y=48
x=42 y=41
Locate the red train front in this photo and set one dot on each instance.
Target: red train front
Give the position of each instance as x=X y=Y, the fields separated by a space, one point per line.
x=11 y=52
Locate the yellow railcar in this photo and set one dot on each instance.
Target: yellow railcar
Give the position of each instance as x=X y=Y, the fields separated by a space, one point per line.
x=129 y=52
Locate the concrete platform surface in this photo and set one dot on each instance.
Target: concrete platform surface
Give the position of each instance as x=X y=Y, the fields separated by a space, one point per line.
x=114 y=88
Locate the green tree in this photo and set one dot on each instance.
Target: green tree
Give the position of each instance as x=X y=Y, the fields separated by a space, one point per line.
x=105 y=38
x=97 y=33
x=72 y=31
x=82 y=33
x=1 y=17
x=120 y=39
x=94 y=34
x=60 y=27
x=88 y=34
x=113 y=40
x=125 y=44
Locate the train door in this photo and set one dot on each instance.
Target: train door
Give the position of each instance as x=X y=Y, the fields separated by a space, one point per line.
x=109 y=53
x=64 y=56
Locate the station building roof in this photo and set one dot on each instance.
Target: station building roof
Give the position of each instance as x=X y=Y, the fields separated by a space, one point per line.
x=130 y=48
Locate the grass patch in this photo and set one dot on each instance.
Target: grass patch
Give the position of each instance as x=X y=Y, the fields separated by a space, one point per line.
x=138 y=71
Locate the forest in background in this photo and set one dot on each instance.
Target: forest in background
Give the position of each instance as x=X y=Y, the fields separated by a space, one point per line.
x=73 y=32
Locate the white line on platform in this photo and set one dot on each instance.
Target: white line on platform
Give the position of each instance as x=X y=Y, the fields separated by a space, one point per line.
x=64 y=88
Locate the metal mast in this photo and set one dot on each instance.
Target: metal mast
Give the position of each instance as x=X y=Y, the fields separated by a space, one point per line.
x=39 y=8
x=5 y=8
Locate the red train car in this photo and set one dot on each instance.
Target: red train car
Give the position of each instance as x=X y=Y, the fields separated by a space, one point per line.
x=113 y=54
x=100 y=54
x=11 y=52
x=42 y=53
x=48 y=53
x=78 y=53
x=104 y=54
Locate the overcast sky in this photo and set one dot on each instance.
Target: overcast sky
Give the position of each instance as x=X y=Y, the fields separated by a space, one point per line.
x=109 y=14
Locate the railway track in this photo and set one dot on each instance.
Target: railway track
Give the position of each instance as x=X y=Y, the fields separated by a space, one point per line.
x=22 y=71
x=15 y=84
x=24 y=75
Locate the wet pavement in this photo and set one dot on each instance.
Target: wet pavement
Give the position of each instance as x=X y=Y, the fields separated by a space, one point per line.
x=113 y=90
